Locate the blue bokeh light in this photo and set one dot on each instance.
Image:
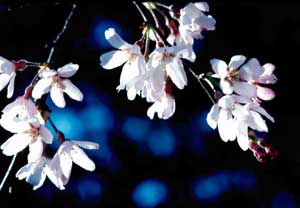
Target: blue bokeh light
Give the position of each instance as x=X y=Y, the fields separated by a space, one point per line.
x=89 y=189
x=161 y=142
x=150 y=193
x=209 y=189
x=283 y=200
x=136 y=128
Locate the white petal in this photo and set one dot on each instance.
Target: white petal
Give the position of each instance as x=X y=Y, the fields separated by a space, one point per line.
x=80 y=158
x=24 y=171
x=185 y=52
x=245 y=89
x=213 y=116
x=130 y=71
x=169 y=107
x=219 y=67
x=207 y=22
x=68 y=70
x=268 y=77
x=113 y=59
x=226 y=87
x=65 y=162
x=226 y=126
x=155 y=107
x=263 y=112
x=6 y=66
x=157 y=79
x=203 y=6
x=251 y=70
x=72 y=90
x=35 y=150
x=13 y=125
x=11 y=86
x=265 y=93
x=115 y=40
x=4 y=80
x=36 y=178
x=87 y=145
x=15 y=144
x=131 y=93
x=41 y=87
x=226 y=102
x=242 y=136
x=53 y=176
x=57 y=97
x=175 y=71
x=259 y=121
x=236 y=62
x=46 y=135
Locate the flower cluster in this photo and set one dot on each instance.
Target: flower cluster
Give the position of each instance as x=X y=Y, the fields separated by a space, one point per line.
x=238 y=108
x=26 y=118
x=152 y=74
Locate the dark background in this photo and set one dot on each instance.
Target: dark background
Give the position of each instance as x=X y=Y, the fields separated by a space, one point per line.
x=175 y=163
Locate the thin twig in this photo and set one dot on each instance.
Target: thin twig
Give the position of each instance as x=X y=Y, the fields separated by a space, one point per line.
x=198 y=77
x=162 y=5
x=8 y=170
x=140 y=11
x=54 y=42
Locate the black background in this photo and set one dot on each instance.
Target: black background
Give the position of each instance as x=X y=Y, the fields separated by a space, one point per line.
x=266 y=30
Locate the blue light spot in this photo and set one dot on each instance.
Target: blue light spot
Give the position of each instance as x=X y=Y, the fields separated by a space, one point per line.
x=243 y=180
x=99 y=27
x=69 y=123
x=150 y=193
x=98 y=118
x=162 y=142
x=135 y=128
x=283 y=200
x=209 y=189
x=89 y=189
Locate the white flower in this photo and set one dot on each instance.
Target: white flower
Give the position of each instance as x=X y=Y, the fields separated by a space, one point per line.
x=229 y=76
x=233 y=119
x=164 y=107
x=135 y=65
x=166 y=61
x=35 y=134
x=256 y=74
x=193 y=21
x=54 y=82
x=35 y=173
x=69 y=152
x=18 y=114
x=7 y=76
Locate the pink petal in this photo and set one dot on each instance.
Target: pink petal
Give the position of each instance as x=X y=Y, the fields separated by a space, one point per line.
x=265 y=93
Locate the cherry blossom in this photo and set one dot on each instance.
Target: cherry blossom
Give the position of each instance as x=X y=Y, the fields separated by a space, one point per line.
x=34 y=135
x=55 y=82
x=35 y=173
x=69 y=152
x=129 y=54
x=7 y=76
x=233 y=115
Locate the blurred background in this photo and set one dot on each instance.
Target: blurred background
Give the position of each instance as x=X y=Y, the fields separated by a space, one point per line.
x=145 y=163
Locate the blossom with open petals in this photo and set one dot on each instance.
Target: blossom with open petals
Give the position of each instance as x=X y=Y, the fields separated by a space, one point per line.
x=256 y=74
x=193 y=21
x=7 y=76
x=166 y=61
x=18 y=114
x=35 y=134
x=127 y=54
x=35 y=173
x=69 y=152
x=57 y=84
x=233 y=119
